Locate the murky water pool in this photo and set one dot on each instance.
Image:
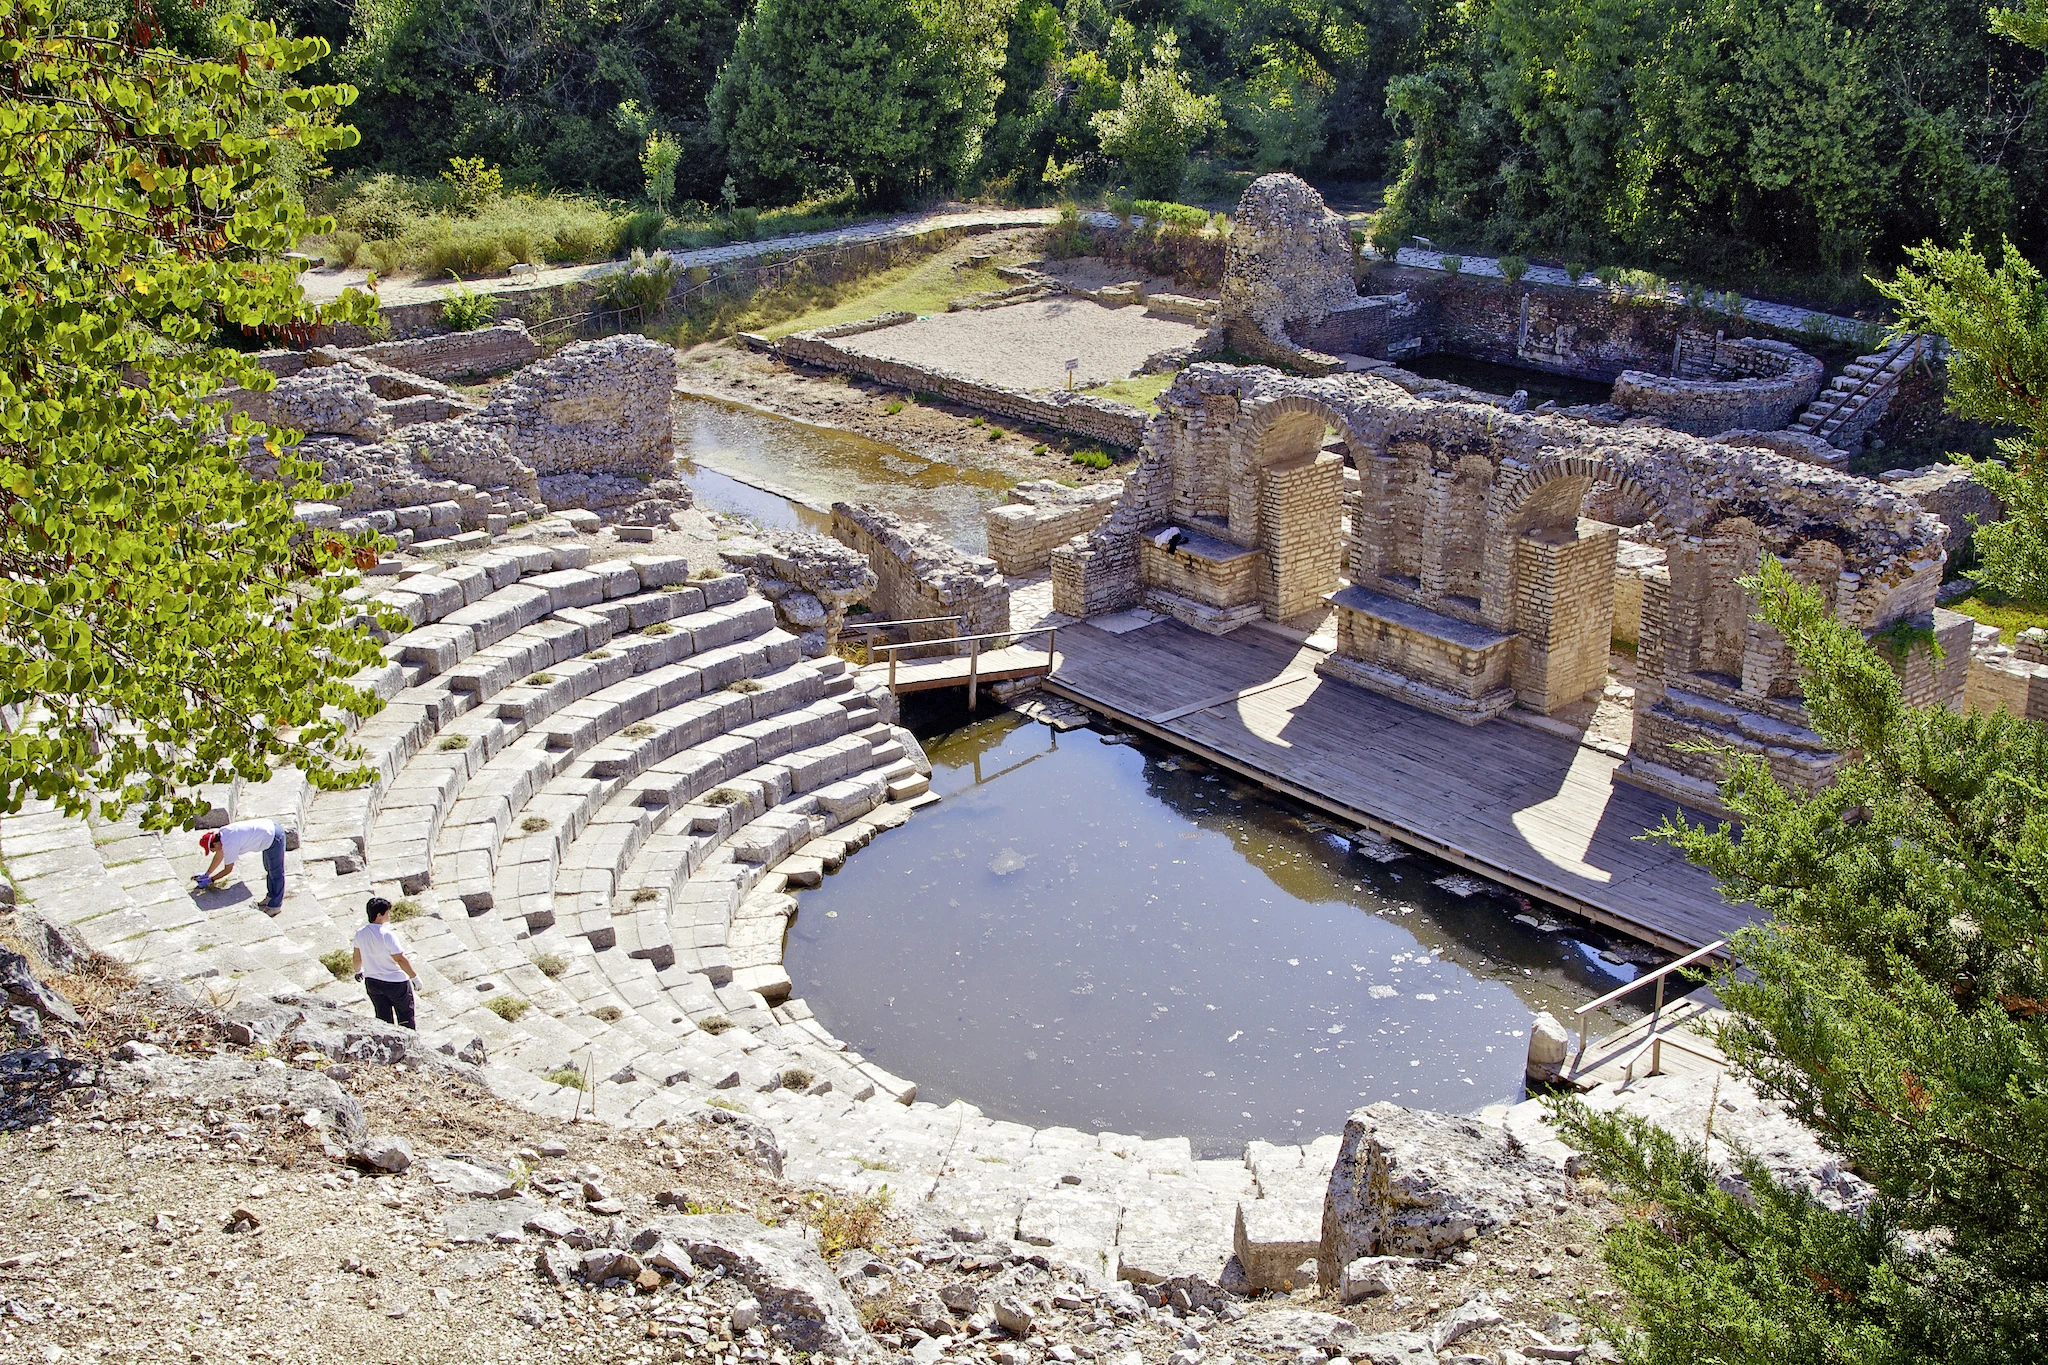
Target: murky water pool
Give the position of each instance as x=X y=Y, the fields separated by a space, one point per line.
x=1116 y=936
x=1490 y=377
x=786 y=473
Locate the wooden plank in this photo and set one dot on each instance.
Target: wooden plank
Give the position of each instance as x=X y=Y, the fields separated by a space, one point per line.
x=1526 y=808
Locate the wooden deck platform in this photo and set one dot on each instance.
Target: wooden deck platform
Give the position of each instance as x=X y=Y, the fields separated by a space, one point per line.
x=992 y=666
x=1528 y=809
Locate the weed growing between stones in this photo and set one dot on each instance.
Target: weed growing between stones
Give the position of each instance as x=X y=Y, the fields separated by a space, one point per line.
x=452 y=744
x=568 y=1077
x=551 y=964
x=639 y=729
x=611 y=1014
x=532 y=824
x=401 y=911
x=720 y=1102
x=645 y=894
x=1092 y=459
x=843 y=1223
x=598 y=654
x=659 y=629
x=724 y=796
x=707 y=572
x=743 y=686
x=796 y=1078
x=339 y=962
x=510 y=1008
x=540 y=680
x=714 y=1024
x=893 y=408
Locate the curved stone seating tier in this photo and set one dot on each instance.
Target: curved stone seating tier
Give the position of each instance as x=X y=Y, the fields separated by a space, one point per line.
x=598 y=786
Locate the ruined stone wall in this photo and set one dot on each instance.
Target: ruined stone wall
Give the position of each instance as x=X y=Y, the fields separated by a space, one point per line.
x=1751 y=384
x=1098 y=419
x=810 y=578
x=918 y=575
x=1564 y=611
x=1951 y=493
x=1632 y=560
x=1041 y=516
x=1299 y=517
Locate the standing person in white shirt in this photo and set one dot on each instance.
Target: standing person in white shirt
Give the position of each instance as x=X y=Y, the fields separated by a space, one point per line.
x=227 y=846
x=382 y=967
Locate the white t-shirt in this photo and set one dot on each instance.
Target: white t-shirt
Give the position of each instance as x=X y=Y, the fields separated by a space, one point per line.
x=247 y=836
x=379 y=944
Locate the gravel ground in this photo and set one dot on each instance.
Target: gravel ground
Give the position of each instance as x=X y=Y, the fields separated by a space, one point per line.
x=1027 y=345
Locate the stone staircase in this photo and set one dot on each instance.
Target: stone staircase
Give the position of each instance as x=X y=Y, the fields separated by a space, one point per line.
x=597 y=785
x=1856 y=398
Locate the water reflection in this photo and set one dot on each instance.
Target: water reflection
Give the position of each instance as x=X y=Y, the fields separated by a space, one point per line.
x=1119 y=937
x=726 y=448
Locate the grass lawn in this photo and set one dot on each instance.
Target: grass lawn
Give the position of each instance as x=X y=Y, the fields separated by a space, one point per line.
x=1140 y=390
x=1996 y=609
x=924 y=286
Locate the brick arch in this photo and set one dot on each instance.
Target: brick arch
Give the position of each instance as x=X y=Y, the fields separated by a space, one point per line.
x=1250 y=452
x=1557 y=478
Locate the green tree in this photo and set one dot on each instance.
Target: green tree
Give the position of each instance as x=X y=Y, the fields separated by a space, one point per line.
x=1157 y=122
x=890 y=96
x=164 y=620
x=1996 y=323
x=658 y=162
x=1896 y=1002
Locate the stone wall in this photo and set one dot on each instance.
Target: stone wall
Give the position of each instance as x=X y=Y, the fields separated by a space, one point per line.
x=1632 y=559
x=450 y=356
x=1468 y=516
x=1098 y=419
x=1951 y=493
x=810 y=578
x=1289 y=260
x=588 y=427
x=1750 y=383
x=1042 y=515
x=919 y=576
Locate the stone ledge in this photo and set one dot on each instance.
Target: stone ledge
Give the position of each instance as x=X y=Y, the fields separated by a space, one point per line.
x=1200 y=615
x=1436 y=700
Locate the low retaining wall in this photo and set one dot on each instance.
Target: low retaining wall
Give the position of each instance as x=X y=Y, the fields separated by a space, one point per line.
x=1097 y=419
x=1749 y=383
x=1040 y=517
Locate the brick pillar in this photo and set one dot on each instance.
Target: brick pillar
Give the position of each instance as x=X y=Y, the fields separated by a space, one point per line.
x=1299 y=502
x=1564 y=614
x=1651 y=659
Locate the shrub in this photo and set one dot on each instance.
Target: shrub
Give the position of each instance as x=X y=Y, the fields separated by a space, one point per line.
x=1514 y=267
x=568 y=1077
x=465 y=309
x=452 y=743
x=533 y=824
x=467 y=250
x=540 y=679
x=893 y=408
x=581 y=240
x=640 y=287
x=611 y=1014
x=510 y=1008
x=639 y=232
x=715 y=1024
x=1170 y=214
x=1093 y=459
x=385 y=257
x=796 y=1078
x=474 y=182
x=1068 y=236
x=401 y=911
x=742 y=225
x=1451 y=265
x=551 y=964
x=659 y=628
x=344 y=248
x=1574 y=271
x=340 y=963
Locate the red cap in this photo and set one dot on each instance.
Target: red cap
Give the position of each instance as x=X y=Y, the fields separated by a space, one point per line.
x=206 y=838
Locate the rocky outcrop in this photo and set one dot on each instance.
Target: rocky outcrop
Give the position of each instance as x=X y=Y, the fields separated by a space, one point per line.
x=797 y=1292
x=1289 y=262
x=1413 y=1183
x=1952 y=493
x=811 y=580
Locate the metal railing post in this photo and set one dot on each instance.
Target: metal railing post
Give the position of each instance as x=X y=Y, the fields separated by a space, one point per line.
x=892 y=667
x=973 y=671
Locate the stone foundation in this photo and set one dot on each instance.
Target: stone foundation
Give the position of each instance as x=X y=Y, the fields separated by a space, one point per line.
x=1724 y=385
x=1440 y=664
x=1039 y=517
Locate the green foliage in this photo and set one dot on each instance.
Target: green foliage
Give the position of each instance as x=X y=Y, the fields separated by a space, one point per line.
x=640 y=232
x=641 y=286
x=1282 y=110
x=658 y=162
x=401 y=911
x=1092 y=459
x=1995 y=319
x=1896 y=1003
x=552 y=965
x=1184 y=216
x=1574 y=271
x=510 y=1008
x=464 y=309
x=164 y=621
x=1157 y=121
x=339 y=962
x=890 y=96
x=568 y=1077
x=474 y=182
x=1514 y=267
x=1451 y=265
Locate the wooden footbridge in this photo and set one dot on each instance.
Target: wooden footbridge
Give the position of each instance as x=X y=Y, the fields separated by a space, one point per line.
x=970 y=661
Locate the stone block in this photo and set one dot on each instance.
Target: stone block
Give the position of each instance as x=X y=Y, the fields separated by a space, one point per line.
x=569 y=588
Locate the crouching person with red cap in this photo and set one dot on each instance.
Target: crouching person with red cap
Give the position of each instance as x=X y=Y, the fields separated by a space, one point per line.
x=247 y=836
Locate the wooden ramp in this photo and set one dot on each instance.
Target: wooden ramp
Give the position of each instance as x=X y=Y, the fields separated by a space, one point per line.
x=1531 y=810
x=993 y=666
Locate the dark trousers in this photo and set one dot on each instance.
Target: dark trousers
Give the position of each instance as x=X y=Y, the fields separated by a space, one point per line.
x=392 y=1000
x=273 y=872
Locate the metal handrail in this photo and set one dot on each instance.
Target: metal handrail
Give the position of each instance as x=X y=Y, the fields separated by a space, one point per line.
x=1585 y=1012
x=1051 y=633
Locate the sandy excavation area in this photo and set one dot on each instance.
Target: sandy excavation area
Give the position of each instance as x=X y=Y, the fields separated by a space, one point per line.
x=1028 y=345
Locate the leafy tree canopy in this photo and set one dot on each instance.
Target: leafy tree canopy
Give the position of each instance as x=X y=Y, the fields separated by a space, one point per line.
x=1896 y=1002
x=164 y=621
